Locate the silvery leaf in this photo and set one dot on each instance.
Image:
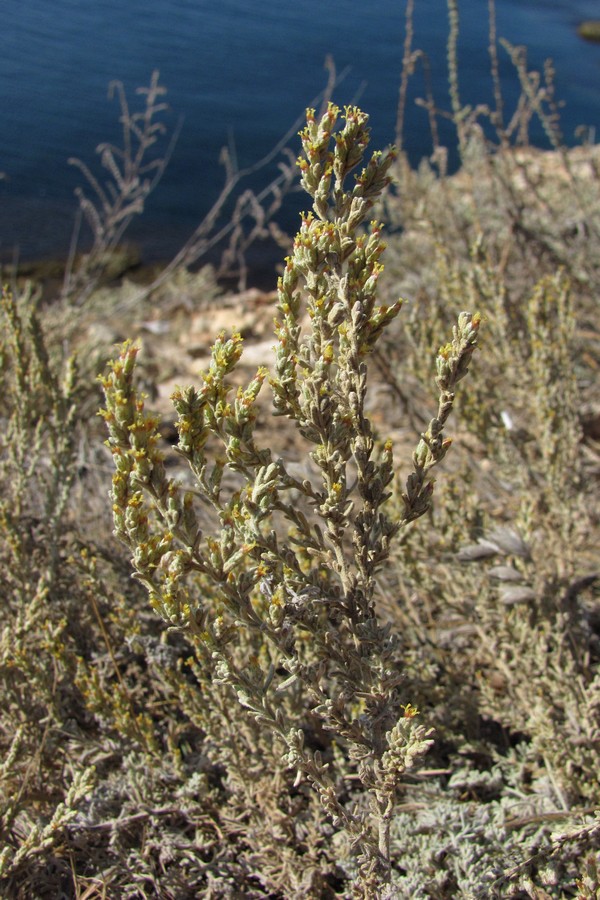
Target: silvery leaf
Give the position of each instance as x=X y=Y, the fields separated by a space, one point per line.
x=512 y=596
x=481 y=550
x=510 y=542
x=505 y=573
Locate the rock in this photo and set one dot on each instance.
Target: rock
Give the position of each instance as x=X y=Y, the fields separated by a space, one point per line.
x=250 y=313
x=590 y=30
x=259 y=353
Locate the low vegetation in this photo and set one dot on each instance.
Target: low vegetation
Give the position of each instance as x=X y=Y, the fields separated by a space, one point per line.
x=330 y=676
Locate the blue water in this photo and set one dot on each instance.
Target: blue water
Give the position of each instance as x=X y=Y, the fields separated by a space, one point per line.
x=238 y=70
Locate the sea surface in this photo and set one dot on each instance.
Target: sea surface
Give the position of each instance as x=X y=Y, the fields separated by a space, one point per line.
x=238 y=72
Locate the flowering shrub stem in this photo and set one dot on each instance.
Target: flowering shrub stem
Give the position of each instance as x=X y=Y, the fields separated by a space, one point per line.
x=301 y=574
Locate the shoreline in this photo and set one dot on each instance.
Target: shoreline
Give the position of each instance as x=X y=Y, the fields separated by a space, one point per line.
x=527 y=164
x=128 y=261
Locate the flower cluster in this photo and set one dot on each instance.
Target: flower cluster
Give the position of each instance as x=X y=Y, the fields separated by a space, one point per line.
x=296 y=570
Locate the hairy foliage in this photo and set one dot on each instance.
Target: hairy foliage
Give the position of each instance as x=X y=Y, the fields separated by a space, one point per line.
x=306 y=590
x=260 y=744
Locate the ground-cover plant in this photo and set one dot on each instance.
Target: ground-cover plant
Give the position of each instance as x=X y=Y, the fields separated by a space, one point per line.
x=129 y=767
x=499 y=601
x=60 y=666
x=499 y=609
x=298 y=575
x=38 y=448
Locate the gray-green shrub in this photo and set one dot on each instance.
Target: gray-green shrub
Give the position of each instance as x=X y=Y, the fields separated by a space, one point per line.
x=301 y=574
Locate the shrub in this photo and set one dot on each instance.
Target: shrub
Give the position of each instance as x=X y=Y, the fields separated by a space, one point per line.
x=296 y=577
x=38 y=447
x=238 y=751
